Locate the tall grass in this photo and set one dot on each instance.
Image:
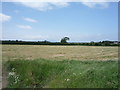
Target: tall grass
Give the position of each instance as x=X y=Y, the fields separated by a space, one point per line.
x=43 y=73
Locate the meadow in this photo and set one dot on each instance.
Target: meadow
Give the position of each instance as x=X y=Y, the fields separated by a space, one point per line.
x=44 y=66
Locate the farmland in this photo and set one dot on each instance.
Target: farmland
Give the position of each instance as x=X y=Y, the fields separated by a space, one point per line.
x=47 y=66
x=29 y=52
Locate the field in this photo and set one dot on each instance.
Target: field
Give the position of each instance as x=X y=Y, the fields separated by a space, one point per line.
x=60 y=66
x=28 y=52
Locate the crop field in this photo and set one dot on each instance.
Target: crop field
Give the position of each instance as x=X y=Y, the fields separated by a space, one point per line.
x=29 y=52
x=44 y=66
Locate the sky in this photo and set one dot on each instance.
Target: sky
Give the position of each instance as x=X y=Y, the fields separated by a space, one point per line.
x=80 y=21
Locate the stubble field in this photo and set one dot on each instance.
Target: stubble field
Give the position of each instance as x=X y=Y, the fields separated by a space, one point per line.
x=11 y=52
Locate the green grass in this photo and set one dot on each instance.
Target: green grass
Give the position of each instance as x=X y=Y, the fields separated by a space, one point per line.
x=62 y=74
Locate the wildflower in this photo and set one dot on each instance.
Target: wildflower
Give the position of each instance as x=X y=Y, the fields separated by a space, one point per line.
x=67 y=79
x=11 y=73
x=13 y=69
x=16 y=78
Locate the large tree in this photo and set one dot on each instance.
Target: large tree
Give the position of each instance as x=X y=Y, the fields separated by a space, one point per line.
x=64 y=40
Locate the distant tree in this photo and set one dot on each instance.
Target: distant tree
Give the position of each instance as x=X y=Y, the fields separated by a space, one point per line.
x=106 y=43
x=92 y=43
x=46 y=41
x=64 y=40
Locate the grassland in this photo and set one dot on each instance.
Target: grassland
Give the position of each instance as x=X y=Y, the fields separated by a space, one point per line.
x=62 y=74
x=60 y=66
x=29 y=52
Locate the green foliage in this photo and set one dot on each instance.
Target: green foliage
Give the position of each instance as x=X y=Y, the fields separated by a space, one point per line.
x=64 y=40
x=62 y=74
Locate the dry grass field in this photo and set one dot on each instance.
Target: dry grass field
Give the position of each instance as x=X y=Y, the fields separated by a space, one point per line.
x=29 y=52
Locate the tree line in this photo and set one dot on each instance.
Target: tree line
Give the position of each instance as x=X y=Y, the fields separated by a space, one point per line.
x=92 y=43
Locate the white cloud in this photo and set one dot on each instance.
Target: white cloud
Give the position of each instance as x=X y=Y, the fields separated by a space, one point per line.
x=4 y=17
x=96 y=4
x=60 y=0
x=30 y=20
x=24 y=26
x=43 y=6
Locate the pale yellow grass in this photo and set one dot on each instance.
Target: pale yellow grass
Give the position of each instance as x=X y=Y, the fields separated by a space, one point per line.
x=29 y=52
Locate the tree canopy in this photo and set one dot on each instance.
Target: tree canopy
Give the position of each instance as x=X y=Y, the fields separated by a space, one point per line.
x=64 y=40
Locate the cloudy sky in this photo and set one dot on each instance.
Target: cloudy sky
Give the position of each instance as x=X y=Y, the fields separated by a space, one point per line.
x=81 y=21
